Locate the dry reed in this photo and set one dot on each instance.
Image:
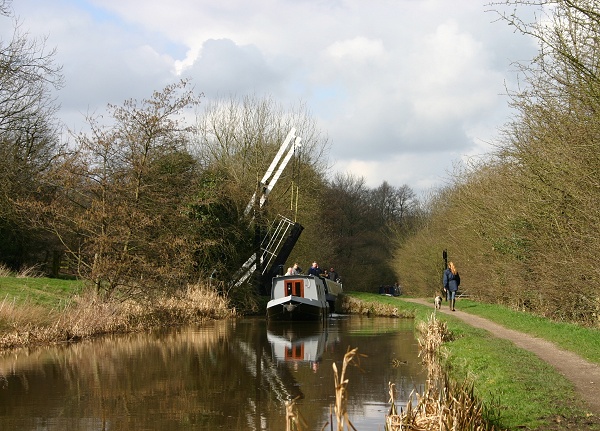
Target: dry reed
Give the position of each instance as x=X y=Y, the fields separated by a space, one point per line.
x=89 y=316
x=293 y=419
x=341 y=389
x=350 y=305
x=445 y=406
x=432 y=334
x=5 y=271
x=29 y=272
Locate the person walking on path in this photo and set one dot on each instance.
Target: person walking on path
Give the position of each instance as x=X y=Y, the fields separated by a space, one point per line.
x=451 y=281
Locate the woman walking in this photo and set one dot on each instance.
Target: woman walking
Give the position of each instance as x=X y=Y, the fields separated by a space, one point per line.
x=451 y=282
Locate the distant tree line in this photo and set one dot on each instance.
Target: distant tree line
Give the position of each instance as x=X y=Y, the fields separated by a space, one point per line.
x=523 y=224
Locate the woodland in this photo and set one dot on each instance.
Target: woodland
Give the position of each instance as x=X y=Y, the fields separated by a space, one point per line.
x=152 y=196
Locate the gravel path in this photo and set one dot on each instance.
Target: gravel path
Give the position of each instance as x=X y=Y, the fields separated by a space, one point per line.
x=584 y=375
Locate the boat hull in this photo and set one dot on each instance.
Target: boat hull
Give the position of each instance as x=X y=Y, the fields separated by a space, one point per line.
x=292 y=308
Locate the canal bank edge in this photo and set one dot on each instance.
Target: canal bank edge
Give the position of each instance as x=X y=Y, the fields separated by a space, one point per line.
x=545 y=390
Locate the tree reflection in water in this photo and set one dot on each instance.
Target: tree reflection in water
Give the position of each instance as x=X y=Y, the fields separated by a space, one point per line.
x=233 y=375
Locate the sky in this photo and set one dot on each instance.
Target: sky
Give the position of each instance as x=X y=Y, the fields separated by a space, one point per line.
x=404 y=90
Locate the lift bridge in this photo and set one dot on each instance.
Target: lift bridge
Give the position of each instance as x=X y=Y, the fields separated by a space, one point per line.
x=281 y=237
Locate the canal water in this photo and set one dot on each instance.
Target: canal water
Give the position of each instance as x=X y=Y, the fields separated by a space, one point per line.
x=230 y=375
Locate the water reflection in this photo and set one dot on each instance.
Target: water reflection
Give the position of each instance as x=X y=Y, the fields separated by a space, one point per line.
x=231 y=375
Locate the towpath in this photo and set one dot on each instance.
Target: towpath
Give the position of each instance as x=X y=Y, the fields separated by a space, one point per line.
x=584 y=375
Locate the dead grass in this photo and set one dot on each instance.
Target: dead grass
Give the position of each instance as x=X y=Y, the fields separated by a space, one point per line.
x=29 y=272
x=89 y=316
x=4 y=271
x=350 y=305
x=14 y=316
x=25 y=272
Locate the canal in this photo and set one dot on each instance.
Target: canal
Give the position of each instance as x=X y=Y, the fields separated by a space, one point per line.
x=230 y=375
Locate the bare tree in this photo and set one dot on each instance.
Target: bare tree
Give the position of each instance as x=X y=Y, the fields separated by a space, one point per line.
x=5 y=7
x=29 y=135
x=394 y=204
x=241 y=137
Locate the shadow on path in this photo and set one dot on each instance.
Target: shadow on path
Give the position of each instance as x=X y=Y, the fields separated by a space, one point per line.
x=583 y=374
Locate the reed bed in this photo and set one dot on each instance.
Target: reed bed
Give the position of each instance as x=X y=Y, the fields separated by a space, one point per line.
x=350 y=305
x=445 y=405
x=449 y=407
x=432 y=334
x=89 y=316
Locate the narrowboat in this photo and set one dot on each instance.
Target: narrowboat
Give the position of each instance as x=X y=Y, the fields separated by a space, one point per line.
x=301 y=298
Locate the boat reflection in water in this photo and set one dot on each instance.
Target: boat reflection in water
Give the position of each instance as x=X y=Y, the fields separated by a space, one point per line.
x=298 y=343
x=303 y=354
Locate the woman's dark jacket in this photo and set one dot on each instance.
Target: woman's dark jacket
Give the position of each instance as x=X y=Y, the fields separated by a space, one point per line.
x=451 y=281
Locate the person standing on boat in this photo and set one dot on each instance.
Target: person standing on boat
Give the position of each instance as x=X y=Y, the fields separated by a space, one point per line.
x=333 y=275
x=315 y=270
x=294 y=270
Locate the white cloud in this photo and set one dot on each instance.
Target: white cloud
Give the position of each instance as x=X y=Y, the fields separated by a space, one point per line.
x=356 y=51
x=402 y=88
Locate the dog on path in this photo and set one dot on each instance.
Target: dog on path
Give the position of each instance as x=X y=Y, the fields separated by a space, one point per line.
x=437 y=301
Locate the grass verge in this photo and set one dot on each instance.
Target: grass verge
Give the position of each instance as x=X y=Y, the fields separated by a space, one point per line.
x=583 y=341
x=45 y=292
x=526 y=392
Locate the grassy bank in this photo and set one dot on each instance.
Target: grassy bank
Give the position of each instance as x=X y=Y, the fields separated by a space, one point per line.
x=38 y=310
x=42 y=291
x=524 y=391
